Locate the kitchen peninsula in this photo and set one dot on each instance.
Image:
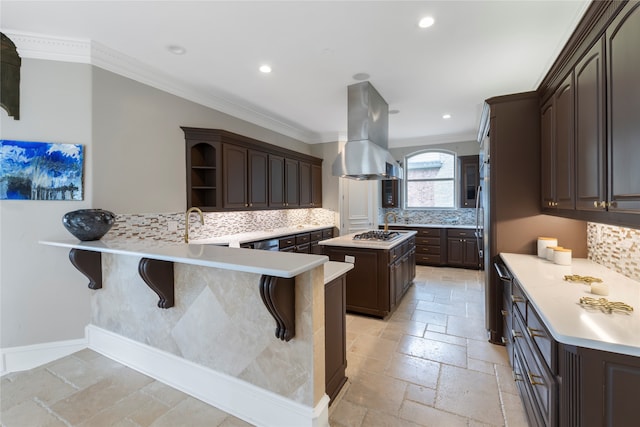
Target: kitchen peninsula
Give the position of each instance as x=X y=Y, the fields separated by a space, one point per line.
x=384 y=268
x=211 y=334
x=575 y=357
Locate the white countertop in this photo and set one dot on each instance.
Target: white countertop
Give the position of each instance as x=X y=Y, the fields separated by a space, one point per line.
x=335 y=269
x=556 y=301
x=279 y=264
x=347 y=241
x=235 y=240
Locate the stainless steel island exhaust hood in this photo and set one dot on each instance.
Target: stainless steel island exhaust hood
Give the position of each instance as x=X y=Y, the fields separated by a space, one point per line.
x=365 y=154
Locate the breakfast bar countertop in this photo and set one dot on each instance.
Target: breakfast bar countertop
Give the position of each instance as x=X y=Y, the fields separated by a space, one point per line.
x=278 y=264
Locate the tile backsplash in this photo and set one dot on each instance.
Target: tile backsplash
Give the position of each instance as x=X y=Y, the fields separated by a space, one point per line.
x=617 y=248
x=156 y=226
x=433 y=216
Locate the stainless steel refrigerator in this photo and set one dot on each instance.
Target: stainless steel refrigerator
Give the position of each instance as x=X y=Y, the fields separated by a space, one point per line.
x=509 y=201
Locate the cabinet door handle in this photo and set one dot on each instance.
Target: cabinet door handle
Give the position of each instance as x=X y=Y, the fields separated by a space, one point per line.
x=517 y=376
x=533 y=380
x=533 y=332
x=516 y=298
x=504 y=340
x=505 y=313
x=515 y=334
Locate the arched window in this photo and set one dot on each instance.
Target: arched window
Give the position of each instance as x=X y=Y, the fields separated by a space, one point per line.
x=430 y=179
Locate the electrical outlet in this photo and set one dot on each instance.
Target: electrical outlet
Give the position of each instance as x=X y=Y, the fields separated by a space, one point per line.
x=173 y=225
x=350 y=259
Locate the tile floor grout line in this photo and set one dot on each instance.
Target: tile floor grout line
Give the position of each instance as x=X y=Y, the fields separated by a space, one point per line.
x=63 y=379
x=53 y=413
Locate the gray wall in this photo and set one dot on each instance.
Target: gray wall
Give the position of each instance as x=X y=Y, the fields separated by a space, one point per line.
x=135 y=163
x=140 y=146
x=42 y=298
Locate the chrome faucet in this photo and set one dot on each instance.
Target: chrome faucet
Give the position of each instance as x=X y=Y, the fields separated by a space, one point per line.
x=386 y=220
x=186 y=222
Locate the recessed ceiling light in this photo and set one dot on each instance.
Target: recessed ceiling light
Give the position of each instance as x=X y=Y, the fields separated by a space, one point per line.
x=446 y=116
x=426 y=22
x=265 y=69
x=394 y=111
x=361 y=76
x=176 y=50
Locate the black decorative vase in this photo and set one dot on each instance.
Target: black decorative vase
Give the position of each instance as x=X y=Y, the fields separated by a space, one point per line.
x=88 y=224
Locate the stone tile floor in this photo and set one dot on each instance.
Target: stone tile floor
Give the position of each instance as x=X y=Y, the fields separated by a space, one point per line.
x=428 y=364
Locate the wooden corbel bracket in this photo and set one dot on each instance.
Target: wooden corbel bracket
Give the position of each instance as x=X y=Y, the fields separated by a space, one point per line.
x=278 y=295
x=88 y=263
x=158 y=275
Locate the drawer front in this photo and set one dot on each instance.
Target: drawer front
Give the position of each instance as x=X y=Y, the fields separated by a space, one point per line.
x=327 y=234
x=533 y=411
x=540 y=336
x=429 y=232
x=301 y=239
x=286 y=242
x=316 y=235
x=535 y=373
x=423 y=259
x=518 y=298
x=433 y=241
x=431 y=250
x=460 y=232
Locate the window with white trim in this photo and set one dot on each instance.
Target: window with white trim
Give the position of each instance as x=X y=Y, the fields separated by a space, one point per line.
x=430 y=179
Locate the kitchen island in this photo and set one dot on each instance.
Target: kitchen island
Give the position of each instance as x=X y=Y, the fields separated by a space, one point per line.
x=211 y=333
x=575 y=357
x=383 y=270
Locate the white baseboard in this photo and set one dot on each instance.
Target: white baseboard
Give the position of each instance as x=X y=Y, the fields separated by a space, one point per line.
x=27 y=357
x=232 y=395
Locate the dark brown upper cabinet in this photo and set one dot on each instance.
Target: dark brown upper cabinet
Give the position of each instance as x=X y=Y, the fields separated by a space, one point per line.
x=305 y=184
x=564 y=145
x=292 y=183
x=258 y=190
x=547 y=156
x=623 y=110
x=590 y=130
x=226 y=171
x=276 y=181
x=203 y=174
x=590 y=119
x=469 y=167
x=234 y=166
x=390 y=193
x=316 y=186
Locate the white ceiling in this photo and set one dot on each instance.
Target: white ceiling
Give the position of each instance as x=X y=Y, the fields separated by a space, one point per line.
x=475 y=50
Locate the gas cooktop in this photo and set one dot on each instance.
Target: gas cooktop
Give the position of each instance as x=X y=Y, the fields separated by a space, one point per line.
x=377 y=235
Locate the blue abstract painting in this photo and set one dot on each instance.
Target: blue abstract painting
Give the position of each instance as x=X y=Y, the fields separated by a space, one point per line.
x=41 y=171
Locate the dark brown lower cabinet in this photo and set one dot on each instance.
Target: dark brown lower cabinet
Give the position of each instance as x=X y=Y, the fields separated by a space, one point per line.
x=599 y=388
x=379 y=278
x=335 y=337
x=565 y=385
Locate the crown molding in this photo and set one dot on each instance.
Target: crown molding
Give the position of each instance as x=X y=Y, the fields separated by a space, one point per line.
x=51 y=48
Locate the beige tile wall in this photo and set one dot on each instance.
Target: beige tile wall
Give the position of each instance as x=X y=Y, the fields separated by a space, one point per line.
x=617 y=248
